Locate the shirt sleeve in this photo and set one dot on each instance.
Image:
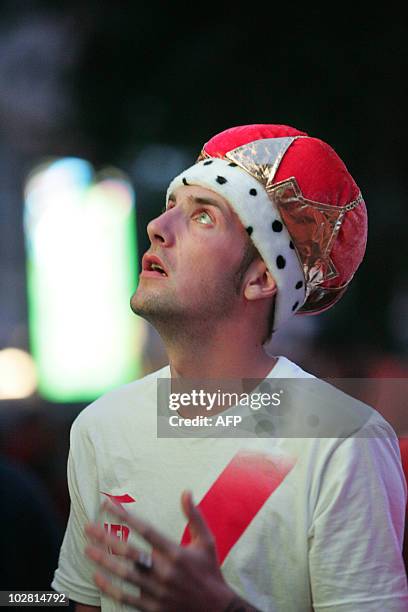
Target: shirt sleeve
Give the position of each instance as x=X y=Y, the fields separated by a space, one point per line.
x=355 y=539
x=74 y=573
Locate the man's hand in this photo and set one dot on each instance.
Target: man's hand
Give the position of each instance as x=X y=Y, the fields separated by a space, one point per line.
x=180 y=577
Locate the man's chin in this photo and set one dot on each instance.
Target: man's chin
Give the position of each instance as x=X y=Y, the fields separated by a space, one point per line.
x=139 y=307
x=151 y=308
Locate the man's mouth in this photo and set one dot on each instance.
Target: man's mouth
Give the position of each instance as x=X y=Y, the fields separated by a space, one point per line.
x=152 y=264
x=157 y=268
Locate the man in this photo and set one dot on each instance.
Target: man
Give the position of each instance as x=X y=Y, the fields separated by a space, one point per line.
x=266 y=224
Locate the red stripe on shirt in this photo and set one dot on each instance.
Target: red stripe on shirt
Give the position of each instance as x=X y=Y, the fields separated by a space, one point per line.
x=237 y=495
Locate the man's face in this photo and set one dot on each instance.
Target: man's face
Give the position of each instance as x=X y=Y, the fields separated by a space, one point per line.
x=199 y=242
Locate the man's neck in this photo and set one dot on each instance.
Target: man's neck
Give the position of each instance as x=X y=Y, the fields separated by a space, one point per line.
x=227 y=359
x=221 y=358
x=220 y=366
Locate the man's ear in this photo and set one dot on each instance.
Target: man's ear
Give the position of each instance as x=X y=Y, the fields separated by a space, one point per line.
x=259 y=282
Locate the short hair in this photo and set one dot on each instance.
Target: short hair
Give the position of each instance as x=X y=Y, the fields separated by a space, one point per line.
x=249 y=255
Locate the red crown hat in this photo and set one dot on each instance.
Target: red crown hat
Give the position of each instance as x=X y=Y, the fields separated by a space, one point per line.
x=300 y=205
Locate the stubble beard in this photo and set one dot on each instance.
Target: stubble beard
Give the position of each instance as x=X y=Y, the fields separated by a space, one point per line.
x=197 y=317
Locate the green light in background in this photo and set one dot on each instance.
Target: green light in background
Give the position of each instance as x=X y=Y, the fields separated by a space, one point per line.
x=81 y=271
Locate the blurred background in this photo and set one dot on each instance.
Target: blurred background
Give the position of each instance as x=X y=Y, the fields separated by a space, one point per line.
x=101 y=104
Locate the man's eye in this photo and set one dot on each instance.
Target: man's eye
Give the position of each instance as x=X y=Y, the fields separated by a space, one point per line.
x=204 y=215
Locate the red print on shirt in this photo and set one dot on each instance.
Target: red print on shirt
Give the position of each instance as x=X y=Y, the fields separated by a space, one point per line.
x=121 y=532
x=120 y=499
x=238 y=494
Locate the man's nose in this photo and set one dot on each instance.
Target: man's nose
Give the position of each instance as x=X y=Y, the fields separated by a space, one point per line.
x=159 y=230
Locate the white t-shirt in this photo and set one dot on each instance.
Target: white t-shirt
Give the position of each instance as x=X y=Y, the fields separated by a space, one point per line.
x=300 y=523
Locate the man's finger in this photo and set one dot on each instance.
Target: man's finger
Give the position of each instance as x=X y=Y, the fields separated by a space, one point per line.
x=121 y=568
x=143 y=603
x=197 y=525
x=149 y=533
